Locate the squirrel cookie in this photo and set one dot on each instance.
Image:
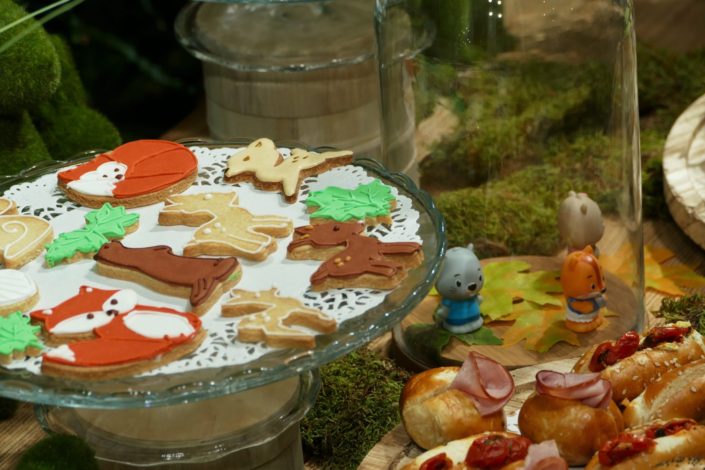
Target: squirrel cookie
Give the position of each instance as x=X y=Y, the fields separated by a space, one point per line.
x=102 y=225
x=224 y=229
x=18 y=338
x=135 y=174
x=371 y=203
x=18 y=292
x=22 y=237
x=362 y=261
x=261 y=164
x=272 y=318
x=120 y=336
x=201 y=280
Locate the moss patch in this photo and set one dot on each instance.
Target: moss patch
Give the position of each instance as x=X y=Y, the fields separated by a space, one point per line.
x=59 y=452
x=22 y=146
x=358 y=404
x=689 y=308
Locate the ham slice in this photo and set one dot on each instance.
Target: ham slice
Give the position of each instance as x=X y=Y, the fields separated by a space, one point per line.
x=544 y=456
x=589 y=389
x=486 y=381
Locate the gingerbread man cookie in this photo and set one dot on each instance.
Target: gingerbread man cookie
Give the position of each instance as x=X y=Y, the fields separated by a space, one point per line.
x=261 y=164
x=371 y=203
x=135 y=174
x=271 y=318
x=22 y=237
x=224 y=229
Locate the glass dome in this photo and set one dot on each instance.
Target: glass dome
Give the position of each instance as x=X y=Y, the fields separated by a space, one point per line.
x=521 y=119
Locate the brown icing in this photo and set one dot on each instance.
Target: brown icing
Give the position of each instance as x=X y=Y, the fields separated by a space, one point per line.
x=200 y=274
x=361 y=254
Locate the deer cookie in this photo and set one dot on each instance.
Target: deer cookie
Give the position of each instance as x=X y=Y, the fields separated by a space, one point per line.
x=272 y=319
x=18 y=338
x=352 y=259
x=261 y=164
x=102 y=225
x=201 y=280
x=111 y=335
x=371 y=203
x=135 y=174
x=224 y=229
x=22 y=237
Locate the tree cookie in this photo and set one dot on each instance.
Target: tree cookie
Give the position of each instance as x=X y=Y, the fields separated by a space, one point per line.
x=271 y=318
x=371 y=203
x=18 y=292
x=124 y=338
x=201 y=280
x=22 y=237
x=261 y=164
x=102 y=225
x=224 y=229
x=352 y=259
x=135 y=174
x=18 y=338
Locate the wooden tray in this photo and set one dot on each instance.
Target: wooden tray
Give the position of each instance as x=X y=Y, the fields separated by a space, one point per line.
x=396 y=447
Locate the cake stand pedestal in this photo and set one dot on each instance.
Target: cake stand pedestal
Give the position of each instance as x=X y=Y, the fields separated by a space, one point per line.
x=254 y=429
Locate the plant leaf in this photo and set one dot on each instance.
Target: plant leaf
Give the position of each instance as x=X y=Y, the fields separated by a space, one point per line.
x=427 y=341
x=541 y=327
x=481 y=336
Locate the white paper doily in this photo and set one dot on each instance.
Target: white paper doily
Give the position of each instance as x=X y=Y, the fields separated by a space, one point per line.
x=221 y=348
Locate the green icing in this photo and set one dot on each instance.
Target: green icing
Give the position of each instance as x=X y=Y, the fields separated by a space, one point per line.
x=17 y=334
x=102 y=225
x=367 y=200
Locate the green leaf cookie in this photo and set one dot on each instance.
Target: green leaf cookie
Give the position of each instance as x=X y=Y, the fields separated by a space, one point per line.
x=17 y=334
x=341 y=205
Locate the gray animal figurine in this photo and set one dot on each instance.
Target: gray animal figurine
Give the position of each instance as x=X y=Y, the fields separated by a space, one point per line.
x=580 y=222
x=459 y=285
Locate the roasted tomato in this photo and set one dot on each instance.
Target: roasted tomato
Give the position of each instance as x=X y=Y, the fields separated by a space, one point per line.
x=437 y=462
x=664 y=334
x=608 y=353
x=622 y=447
x=670 y=428
x=496 y=451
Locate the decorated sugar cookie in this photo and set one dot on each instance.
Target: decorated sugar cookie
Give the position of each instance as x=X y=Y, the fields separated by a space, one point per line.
x=201 y=280
x=22 y=237
x=261 y=163
x=78 y=316
x=18 y=338
x=273 y=319
x=135 y=174
x=102 y=225
x=371 y=203
x=224 y=229
x=352 y=259
x=123 y=337
x=18 y=292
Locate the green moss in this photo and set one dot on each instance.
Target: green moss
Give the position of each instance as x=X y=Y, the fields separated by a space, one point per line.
x=59 y=452
x=65 y=122
x=689 y=308
x=29 y=70
x=358 y=404
x=21 y=145
x=7 y=408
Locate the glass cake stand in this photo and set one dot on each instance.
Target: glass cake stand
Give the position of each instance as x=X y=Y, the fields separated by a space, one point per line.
x=246 y=414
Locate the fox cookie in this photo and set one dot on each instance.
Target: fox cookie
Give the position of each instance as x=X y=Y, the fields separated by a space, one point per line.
x=135 y=174
x=102 y=225
x=114 y=336
x=224 y=229
x=261 y=164
x=371 y=203
x=352 y=259
x=22 y=237
x=18 y=338
x=201 y=280
x=18 y=292
x=272 y=318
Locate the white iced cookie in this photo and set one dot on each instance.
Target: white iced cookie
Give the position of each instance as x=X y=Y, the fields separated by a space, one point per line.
x=17 y=292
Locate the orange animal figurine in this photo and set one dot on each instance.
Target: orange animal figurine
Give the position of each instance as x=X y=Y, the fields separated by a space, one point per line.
x=584 y=287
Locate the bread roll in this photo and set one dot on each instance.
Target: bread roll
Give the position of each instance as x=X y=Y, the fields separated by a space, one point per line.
x=579 y=430
x=434 y=415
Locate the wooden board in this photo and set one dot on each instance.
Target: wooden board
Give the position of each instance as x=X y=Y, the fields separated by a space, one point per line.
x=684 y=171
x=621 y=300
x=396 y=447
